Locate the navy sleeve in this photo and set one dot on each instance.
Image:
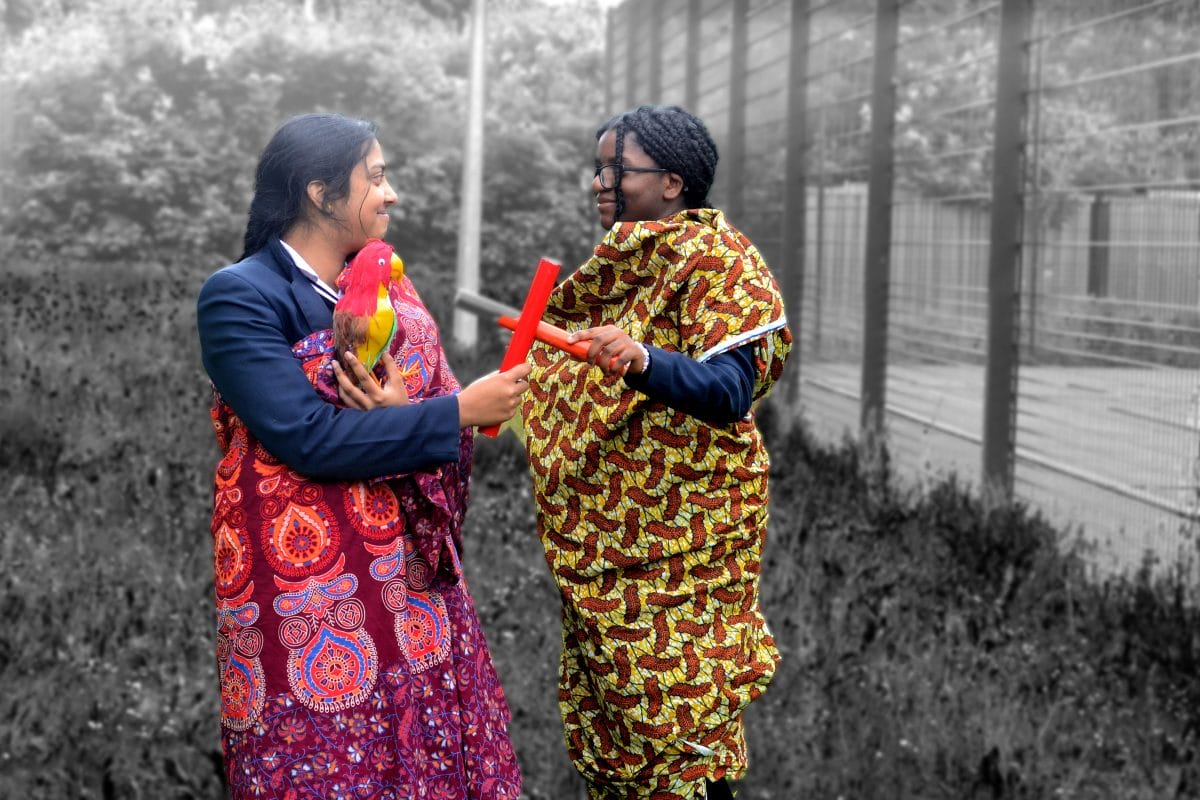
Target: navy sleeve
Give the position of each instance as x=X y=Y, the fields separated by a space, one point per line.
x=246 y=352
x=718 y=391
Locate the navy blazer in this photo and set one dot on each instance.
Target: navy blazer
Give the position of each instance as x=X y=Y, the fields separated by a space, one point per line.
x=249 y=315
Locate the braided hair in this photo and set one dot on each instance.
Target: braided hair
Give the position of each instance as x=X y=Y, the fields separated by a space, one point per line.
x=676 y=140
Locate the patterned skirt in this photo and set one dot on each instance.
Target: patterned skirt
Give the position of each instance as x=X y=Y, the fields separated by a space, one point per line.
x=438 y=733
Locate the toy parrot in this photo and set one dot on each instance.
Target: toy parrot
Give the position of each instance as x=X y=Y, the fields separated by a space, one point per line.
x=364 y=321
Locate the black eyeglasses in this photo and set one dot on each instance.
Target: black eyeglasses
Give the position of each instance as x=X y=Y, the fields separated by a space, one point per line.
x=610 y=174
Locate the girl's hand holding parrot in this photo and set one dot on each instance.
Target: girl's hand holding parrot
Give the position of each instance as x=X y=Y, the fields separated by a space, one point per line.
x=359 y=388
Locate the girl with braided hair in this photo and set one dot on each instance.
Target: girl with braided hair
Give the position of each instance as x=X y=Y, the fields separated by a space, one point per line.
x=649 y=472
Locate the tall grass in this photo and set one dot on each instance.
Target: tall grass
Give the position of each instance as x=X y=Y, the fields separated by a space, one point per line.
x=106 y=652
x=933 y=648
x=936 y=648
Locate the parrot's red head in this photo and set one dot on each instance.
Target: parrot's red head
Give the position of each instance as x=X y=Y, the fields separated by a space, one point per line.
x=360 y=280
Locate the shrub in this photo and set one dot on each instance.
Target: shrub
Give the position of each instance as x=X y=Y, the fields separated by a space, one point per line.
x=937 y=648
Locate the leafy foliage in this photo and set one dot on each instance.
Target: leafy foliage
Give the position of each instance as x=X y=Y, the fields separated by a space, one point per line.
x=1111 y=105
x=143 y=148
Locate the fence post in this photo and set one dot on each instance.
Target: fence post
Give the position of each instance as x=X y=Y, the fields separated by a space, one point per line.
x=654 y=52
x=610 y=69
x=1098 y=238
x=691 y=76
x=795 y=189
x=1000 y=392
x=630 y=39
x=877 y=266
x=735 y=174
x=466 y=325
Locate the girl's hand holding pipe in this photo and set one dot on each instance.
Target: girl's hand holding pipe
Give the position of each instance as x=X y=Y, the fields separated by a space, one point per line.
x=493 y=399
x=611 y=349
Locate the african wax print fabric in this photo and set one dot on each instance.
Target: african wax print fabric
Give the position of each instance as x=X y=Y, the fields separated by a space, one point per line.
x=653 y=521
x=350 y=655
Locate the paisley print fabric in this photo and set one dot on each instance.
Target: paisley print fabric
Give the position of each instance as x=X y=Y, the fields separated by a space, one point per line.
x=653 y=521
x=350 y=656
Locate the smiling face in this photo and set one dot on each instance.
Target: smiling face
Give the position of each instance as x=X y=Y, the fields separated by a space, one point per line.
x=646 y=195
x=364 y=210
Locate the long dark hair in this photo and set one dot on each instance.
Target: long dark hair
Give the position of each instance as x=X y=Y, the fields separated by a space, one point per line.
x=310 y=147
x=676 y=140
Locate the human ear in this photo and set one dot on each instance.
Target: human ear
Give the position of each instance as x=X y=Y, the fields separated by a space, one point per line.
x=672 y=186
x=316 y=196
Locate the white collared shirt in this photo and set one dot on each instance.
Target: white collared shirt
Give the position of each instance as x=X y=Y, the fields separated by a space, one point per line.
x=326 y=291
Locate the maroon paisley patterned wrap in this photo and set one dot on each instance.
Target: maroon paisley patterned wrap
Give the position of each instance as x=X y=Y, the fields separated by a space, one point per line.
x=350 y=655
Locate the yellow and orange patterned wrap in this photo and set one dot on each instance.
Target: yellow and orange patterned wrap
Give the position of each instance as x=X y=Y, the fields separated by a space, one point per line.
x=653 y=522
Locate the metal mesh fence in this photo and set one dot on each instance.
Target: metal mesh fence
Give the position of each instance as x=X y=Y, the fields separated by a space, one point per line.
x=1107 y=409
x=1035 y=296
